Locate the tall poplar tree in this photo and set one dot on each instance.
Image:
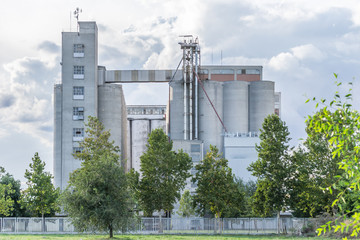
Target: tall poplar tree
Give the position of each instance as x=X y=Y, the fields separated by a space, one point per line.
x=40 y=197
x=271 y=167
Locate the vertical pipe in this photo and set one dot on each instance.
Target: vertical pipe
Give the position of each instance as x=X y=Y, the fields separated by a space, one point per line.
x=191 y=74
x=185 y=93
x=196 y=95
x=131 y=143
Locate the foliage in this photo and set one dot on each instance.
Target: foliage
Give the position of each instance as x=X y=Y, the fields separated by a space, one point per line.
x=6 y=203
x=271 y=167
x=150 y=237
x=15 y=195
x=248 y=189
x=97 y=143
x=186 y=209
x=163 y=174
x=216 y=189
x=342 y=128
x=314 y=170
x=40 y=197
x=97 y=196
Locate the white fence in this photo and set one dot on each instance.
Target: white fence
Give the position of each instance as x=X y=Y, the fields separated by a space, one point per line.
x=165 y=225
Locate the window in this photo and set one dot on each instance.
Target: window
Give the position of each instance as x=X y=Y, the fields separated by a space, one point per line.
x=79 y=50
x=252 y=71
x=78 y=113
x=195 y=148
x=78 y=93
x=78 y=134
x=78 y=72
x=77 y=150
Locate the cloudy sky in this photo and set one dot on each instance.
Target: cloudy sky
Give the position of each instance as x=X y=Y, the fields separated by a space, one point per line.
x=299 y=43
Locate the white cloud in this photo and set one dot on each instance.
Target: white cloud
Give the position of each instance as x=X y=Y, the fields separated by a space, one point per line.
x=26 y=98
x=299 y=43
x=284 y=61
x=307 y=51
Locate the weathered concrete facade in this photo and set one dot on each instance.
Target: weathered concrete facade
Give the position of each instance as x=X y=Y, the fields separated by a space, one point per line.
x=81 y=95
x=142 y=119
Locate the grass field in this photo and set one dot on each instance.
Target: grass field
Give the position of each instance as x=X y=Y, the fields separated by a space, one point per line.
x=148 y=237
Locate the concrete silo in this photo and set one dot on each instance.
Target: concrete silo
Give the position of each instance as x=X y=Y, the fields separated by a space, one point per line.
x=176 y=110
x=210 y=128
x=236 y=106
x=261 y=103
x=112 y=113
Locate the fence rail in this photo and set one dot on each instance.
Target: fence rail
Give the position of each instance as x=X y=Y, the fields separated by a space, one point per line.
x=165 y=225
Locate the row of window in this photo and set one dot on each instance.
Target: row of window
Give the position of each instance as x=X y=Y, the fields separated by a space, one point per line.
x=79 y=52
x=78 y=94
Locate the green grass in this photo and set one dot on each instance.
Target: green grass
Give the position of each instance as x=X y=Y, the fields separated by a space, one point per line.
x=146 y=237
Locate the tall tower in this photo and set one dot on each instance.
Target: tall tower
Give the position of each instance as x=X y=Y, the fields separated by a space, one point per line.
x=76 y=97
x=191 y=59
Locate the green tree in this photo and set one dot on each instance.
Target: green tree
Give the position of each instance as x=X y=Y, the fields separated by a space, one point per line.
x=163 y=174
x=15 y=195
x=186 y=209
x=6 y=203
x=40 y=197
x=97 y=196
x=216 y=189
x=271 y=167
x=313 y=169
x=342 y=128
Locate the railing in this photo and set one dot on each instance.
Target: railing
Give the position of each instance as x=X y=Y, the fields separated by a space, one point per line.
x=165 y=225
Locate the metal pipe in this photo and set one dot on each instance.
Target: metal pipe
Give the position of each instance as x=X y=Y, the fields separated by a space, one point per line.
x=196 y=97
x=185 y=94
x=191 y=94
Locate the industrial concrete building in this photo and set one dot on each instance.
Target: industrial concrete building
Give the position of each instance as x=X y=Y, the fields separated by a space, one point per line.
x=219 y=105
x=142 y=119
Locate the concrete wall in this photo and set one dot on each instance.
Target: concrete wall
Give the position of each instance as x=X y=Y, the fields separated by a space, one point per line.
x=236 y=106
x=210 y=128
x=57 y=133
x=112 y=113
x=261 y=103
x=88 y=37
x=240 y=152
x=176 y=110
x=142 y=119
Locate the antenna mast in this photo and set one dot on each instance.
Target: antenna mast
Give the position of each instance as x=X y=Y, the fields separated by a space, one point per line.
x=76 y=15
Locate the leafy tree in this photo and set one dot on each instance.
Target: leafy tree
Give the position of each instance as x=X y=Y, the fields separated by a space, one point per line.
x=6 y=203
x=15 y=195
x=40 y=197
x=186 y=209
x=342 y=128
x=97 y=196
x=216 y=189
x=271 y=167
x=313 y=169
x=163 y=174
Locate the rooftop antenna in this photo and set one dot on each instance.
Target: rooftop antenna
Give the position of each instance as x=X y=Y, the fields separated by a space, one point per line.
x=76 y=15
